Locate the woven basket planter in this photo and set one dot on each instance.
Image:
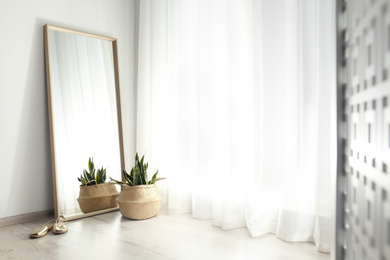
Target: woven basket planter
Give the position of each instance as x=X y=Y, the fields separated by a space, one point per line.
x=98 y=197
x=139 y=202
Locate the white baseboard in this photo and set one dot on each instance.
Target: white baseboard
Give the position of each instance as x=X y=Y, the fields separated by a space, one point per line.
x=25 y=217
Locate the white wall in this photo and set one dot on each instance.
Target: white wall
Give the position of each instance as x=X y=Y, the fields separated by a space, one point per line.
x=25 y=162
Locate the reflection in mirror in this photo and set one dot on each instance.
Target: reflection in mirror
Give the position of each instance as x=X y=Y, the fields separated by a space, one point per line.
x=84 y=111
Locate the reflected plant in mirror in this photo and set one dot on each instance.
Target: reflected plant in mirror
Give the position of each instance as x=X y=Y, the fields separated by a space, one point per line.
x=90 y=178
x=95 y=194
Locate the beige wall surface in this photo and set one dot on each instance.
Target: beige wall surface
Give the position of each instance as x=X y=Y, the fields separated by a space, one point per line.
x=25 y=159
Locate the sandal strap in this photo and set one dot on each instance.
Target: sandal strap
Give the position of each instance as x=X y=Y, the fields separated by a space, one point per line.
x=61 y=217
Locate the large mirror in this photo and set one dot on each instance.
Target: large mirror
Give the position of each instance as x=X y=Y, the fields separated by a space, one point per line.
x=84 y=112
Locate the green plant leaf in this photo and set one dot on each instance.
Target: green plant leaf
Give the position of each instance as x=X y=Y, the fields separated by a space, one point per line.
x=104 y=175
x=85 y=175
x=126 y=176
x=153 y=180
x=100 y=175
x=135 y=174
x=118 y=182
x=90 y=165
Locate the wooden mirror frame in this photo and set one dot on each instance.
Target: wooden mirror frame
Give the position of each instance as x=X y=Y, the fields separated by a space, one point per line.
x=50 y=108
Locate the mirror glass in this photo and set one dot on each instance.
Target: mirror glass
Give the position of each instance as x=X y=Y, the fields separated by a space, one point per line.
x=84 y=111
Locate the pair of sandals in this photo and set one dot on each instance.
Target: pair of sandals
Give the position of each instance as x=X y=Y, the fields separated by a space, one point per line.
x=58 y=226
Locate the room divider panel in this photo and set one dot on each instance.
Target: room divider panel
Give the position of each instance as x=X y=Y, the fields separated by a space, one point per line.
x=363 y=177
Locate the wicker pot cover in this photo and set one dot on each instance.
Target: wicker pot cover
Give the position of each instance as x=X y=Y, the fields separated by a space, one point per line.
x=98 y=197
x=139 y=202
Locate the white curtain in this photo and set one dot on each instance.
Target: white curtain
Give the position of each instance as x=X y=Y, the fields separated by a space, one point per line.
x=234 y=106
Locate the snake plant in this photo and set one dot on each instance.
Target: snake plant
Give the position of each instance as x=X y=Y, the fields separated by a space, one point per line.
x=92 y=176
x=138 y=174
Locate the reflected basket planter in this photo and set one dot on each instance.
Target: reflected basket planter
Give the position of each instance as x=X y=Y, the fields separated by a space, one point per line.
x=98 y=197
x=139 y=202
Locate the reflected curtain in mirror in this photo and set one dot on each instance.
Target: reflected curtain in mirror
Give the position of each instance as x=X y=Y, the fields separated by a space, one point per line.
x=84 y=110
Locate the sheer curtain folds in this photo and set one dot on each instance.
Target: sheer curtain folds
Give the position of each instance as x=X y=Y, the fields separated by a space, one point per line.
x=233 y=106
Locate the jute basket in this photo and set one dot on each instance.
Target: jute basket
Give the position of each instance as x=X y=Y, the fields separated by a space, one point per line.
x=139 y=202
x=98 y=197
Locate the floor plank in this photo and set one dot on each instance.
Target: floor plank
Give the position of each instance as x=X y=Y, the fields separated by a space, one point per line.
x=110 y=236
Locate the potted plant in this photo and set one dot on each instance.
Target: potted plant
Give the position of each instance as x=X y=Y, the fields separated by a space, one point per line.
x=95 y=193
x=139 y=197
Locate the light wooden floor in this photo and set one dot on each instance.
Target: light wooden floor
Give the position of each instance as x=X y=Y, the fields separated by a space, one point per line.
x=110 y=236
